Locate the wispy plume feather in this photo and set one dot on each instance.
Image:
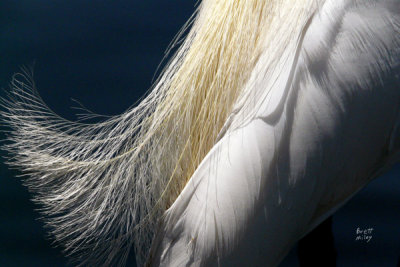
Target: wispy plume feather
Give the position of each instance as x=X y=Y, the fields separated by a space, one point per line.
x=102 y=187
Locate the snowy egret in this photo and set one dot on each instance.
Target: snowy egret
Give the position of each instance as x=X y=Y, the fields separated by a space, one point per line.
x=270 y=116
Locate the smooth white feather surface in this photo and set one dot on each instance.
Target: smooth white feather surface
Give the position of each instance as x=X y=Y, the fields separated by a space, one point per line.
x=266 y=184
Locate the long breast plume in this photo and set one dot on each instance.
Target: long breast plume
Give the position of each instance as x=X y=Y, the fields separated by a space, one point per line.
x=102 y=187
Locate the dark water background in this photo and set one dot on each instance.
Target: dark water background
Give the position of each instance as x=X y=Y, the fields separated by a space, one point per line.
x=104 y=54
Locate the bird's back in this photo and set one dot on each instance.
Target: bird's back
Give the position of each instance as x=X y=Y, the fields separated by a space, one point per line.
x=267 y=183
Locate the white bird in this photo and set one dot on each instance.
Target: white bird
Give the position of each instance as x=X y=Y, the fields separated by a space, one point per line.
x=269 y=118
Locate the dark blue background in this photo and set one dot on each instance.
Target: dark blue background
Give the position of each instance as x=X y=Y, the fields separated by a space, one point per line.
x=104 y=54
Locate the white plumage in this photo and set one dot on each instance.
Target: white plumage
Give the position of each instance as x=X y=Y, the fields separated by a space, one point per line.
x=265 y=185
x=312 y=124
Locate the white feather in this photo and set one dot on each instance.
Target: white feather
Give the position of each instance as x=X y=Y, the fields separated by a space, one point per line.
x=266 y=184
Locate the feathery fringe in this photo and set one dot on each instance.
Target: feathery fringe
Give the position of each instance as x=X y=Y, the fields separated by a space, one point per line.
x=104 y=186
